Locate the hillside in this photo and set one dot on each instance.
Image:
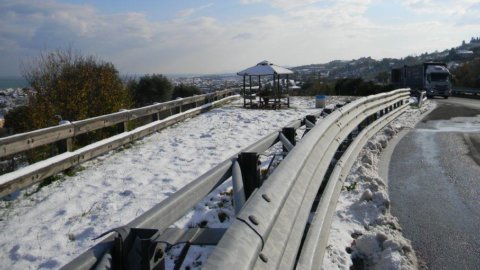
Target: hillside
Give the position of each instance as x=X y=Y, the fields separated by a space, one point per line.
x=368 y=68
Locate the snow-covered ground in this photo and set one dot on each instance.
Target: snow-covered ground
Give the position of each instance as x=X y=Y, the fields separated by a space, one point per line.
x=47 y=227
x=44 y=228
x=364 y=233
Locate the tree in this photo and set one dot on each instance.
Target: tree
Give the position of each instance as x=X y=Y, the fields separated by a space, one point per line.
x=184 y=90
x=468 y=75
x=150 y=89
x=359 y=87
x=71 y=86
x=14 y=119
x=317 y=87
x=383 y=77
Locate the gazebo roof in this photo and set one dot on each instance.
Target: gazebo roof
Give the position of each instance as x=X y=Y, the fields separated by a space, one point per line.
x=264 y=68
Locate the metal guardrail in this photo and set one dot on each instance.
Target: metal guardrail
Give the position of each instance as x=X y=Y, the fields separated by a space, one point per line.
x=421 y=98
x=313 y=249
x=271 y=216
x=267 y=234
x=466 y=92
x=34 y=173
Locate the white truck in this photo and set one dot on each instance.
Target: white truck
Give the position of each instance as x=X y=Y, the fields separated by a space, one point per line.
x=432 y=77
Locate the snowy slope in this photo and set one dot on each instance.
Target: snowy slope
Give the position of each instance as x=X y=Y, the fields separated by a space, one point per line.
x=49 y=227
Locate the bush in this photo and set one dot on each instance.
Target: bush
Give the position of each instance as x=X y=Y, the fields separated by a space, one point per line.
x=184 y=90
x=468 y=75
x=317 y=87
x=14 y=119
x=358 y=87
x=73 y=87
x=150 y=89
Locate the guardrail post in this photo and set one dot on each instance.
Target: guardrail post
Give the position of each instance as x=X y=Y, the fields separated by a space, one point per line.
x=157 y=114
x=69 y=144
x=310 y=121
x=311 y=118
x=290 y=134
x=366 y=121
x=12 y=164
x=125 y=124
x=248 y=162
x=64 y=145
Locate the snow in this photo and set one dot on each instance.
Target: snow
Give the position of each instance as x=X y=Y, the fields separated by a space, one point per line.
x=364 y=234
x=47 y=226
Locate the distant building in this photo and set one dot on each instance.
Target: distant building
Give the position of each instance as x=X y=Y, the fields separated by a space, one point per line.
x=465 y=53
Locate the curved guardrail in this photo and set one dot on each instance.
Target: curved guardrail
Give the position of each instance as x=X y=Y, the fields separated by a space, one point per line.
x=313 y=249
x=267 y=234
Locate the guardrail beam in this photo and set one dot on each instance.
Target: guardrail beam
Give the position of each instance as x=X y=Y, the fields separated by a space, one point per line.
x=239 y=198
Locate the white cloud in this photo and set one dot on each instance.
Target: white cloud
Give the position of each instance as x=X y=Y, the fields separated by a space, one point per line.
x=304 y=33
x=190 y=11
x=444 y=7
x=283 y=4
x=247 y=2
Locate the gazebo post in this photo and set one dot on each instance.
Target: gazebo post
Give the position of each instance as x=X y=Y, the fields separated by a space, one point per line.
x=259 y=88
x=274 y=92
x=250 y=77
x=279 y=92
x=288 y=93
x=244 y=93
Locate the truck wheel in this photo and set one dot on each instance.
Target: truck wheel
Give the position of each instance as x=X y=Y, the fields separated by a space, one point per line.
x=445 y=97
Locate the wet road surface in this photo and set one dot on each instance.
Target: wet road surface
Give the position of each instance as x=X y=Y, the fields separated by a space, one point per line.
x=434 y=185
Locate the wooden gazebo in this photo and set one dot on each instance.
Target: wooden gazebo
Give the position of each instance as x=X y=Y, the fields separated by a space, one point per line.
x=272 y=95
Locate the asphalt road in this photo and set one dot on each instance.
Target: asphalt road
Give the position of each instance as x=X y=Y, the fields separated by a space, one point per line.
x=434 y=185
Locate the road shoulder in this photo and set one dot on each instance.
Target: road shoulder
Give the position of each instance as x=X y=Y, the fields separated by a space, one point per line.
x=386 y=154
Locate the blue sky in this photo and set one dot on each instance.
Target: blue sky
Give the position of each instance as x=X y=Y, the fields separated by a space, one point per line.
x=216 y=36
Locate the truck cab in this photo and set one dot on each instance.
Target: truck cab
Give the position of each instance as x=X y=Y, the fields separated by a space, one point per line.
x=437 y=81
